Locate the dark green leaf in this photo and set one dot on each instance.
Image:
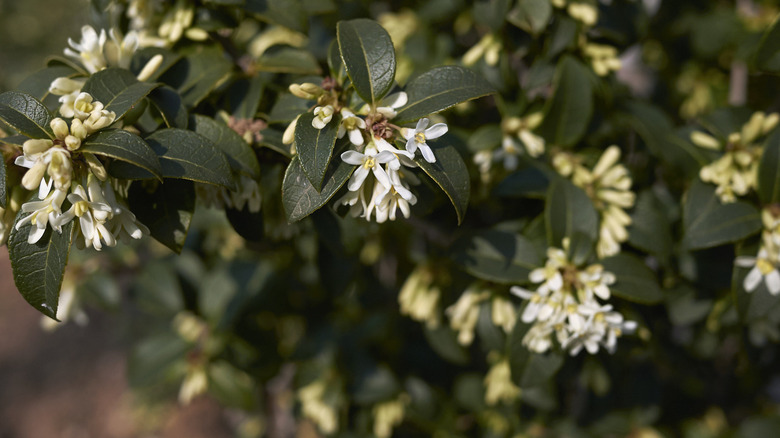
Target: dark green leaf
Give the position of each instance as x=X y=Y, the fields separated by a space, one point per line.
x=196 y=75
x=451 y=174
x=3 y=184
x=238 y=152
x=635 y=281
x=568 y=211
x=650 y=230
x=768 y=53
x=440 y=88
x=144 y=55
x=286 y=108
x=37 y=84
x=272 y=139
x=188 y=155
x=491 y=336
x=491 y=13
x=25 y=114
x=769 y=171
x=531 y=15
x=567 y=114
x=14 y=140
x=709 y=223
x=300 y=198
x=245 y=96
x=315 y=147
x=496 y=256
x=166 y=209
x=152 y=359
x=171 y=106
x=125 y=146
x=369 y=57
x=231 y=386
x=530 y=182
x=444 y=342
x=374 y=384
x=288 y=13
x=288 y=60
x=39 y=267
x=248 y=225
x=530 y=369
x=117 y=89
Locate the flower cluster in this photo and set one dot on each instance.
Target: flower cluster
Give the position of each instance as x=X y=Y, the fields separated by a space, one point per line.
x=464 y=314
x=380 y=186
x=609 y=187
x=603 y=58
x=736 y=171
x=765 y=264
x=584 y=11
x=419 y=297
x=566 y=305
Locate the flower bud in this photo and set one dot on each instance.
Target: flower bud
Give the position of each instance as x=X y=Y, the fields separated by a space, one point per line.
x=77 y=129
x=83 y=105
x=32 y=179
x=770 y=122
x=60 y=169
x=151 y=66
x=704 y=140
x=607 y=160
x=289 y=134
x=36 y=146
x=60 y=128
x=62 y=86
x=96 y=167
x=72 y=142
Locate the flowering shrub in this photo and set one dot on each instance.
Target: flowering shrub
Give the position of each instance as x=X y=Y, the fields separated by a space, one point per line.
x=506 y=218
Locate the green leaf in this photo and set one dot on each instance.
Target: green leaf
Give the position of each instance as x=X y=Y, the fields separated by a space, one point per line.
x=122 y=145
x=25 y=114
x=37 y=84
x=532 y=16
x=286 y=108
x=440 y=88
x=635 y=281
x=709 y=223
x=568 y=211
x=188 y=155
x=152 y=360
x=491 y=13
x=368 y=56
x=288 y=60
x=451 y=174
x=315 y=147
x=38 y=268
x=530 y=369
x=769 y=171
x=444 y=342
x=165 y=208
x=245 y=95
x=231 y=386
x=196 y=75
x=530 y=182
x=117 y=89
x=768 y=53
x=171 y=106
x=567 y=114
x=248 y=225
x=288 y=13
x=650 y=230
x=239 y=153
x=491 y=336
x=496 y=256
x=299 y=196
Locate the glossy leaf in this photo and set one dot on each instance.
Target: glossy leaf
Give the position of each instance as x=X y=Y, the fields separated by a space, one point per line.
x=532 y=16
x=245 y=96
x=37 y=84
x=299 y=196
x=239 y=153
x=439 y=89
x=650 y=230
x=117 y=89
x=635 y=281
x=530 y=182
x=231 y=386
x=444 y=342
x=288 y=60
x=25 y=114
x=451 y=174
x=769 y=171
x=567 y=114
x=496 y=256
x=368 y=56
x=288 y=13
x=491 y=13
x=171 y=106
x=38 y=268
x=166 y=209
x=315 y=147
x=568 y=211
x=123 y=145
x=196 y=75
x=710 y=223
x=188 y=155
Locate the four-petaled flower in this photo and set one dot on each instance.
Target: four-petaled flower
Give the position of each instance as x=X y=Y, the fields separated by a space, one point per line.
x=418 y=137
x=371 y=160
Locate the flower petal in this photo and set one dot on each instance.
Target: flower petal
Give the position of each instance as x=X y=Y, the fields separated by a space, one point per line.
x=436 y=131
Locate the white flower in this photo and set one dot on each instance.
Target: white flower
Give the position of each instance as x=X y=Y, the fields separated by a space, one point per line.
x=92 y=212
x=499 y=385
x=119 y=50
x=248 y=194
x=418 y=138
x=387 y=106
x=352 y=124
x=123 y=221
x=465 y=313
x=370 y=161
x=43 y=213
x=89 y=51
x=322 y=116
x=764 y=268
x=419 y=298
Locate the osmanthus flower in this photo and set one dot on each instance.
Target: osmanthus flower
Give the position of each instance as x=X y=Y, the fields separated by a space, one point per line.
x=122 y=223
x=389 y=414
x=489 y=48
x=566 y=305
x=44 y=212
x=322 y=116
x=608 y=185
x=764 y=266
x=584 y=11
x=389 y=104
x=369 y=161
x=320 y=402
x=498 y=384
x=603 y=58
x=89 y=51
x=736 y=172
x=92 y=212
x=417 y=138
x=419 y=297
x=119 y=50
x=465 y=313
x=352 y=124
